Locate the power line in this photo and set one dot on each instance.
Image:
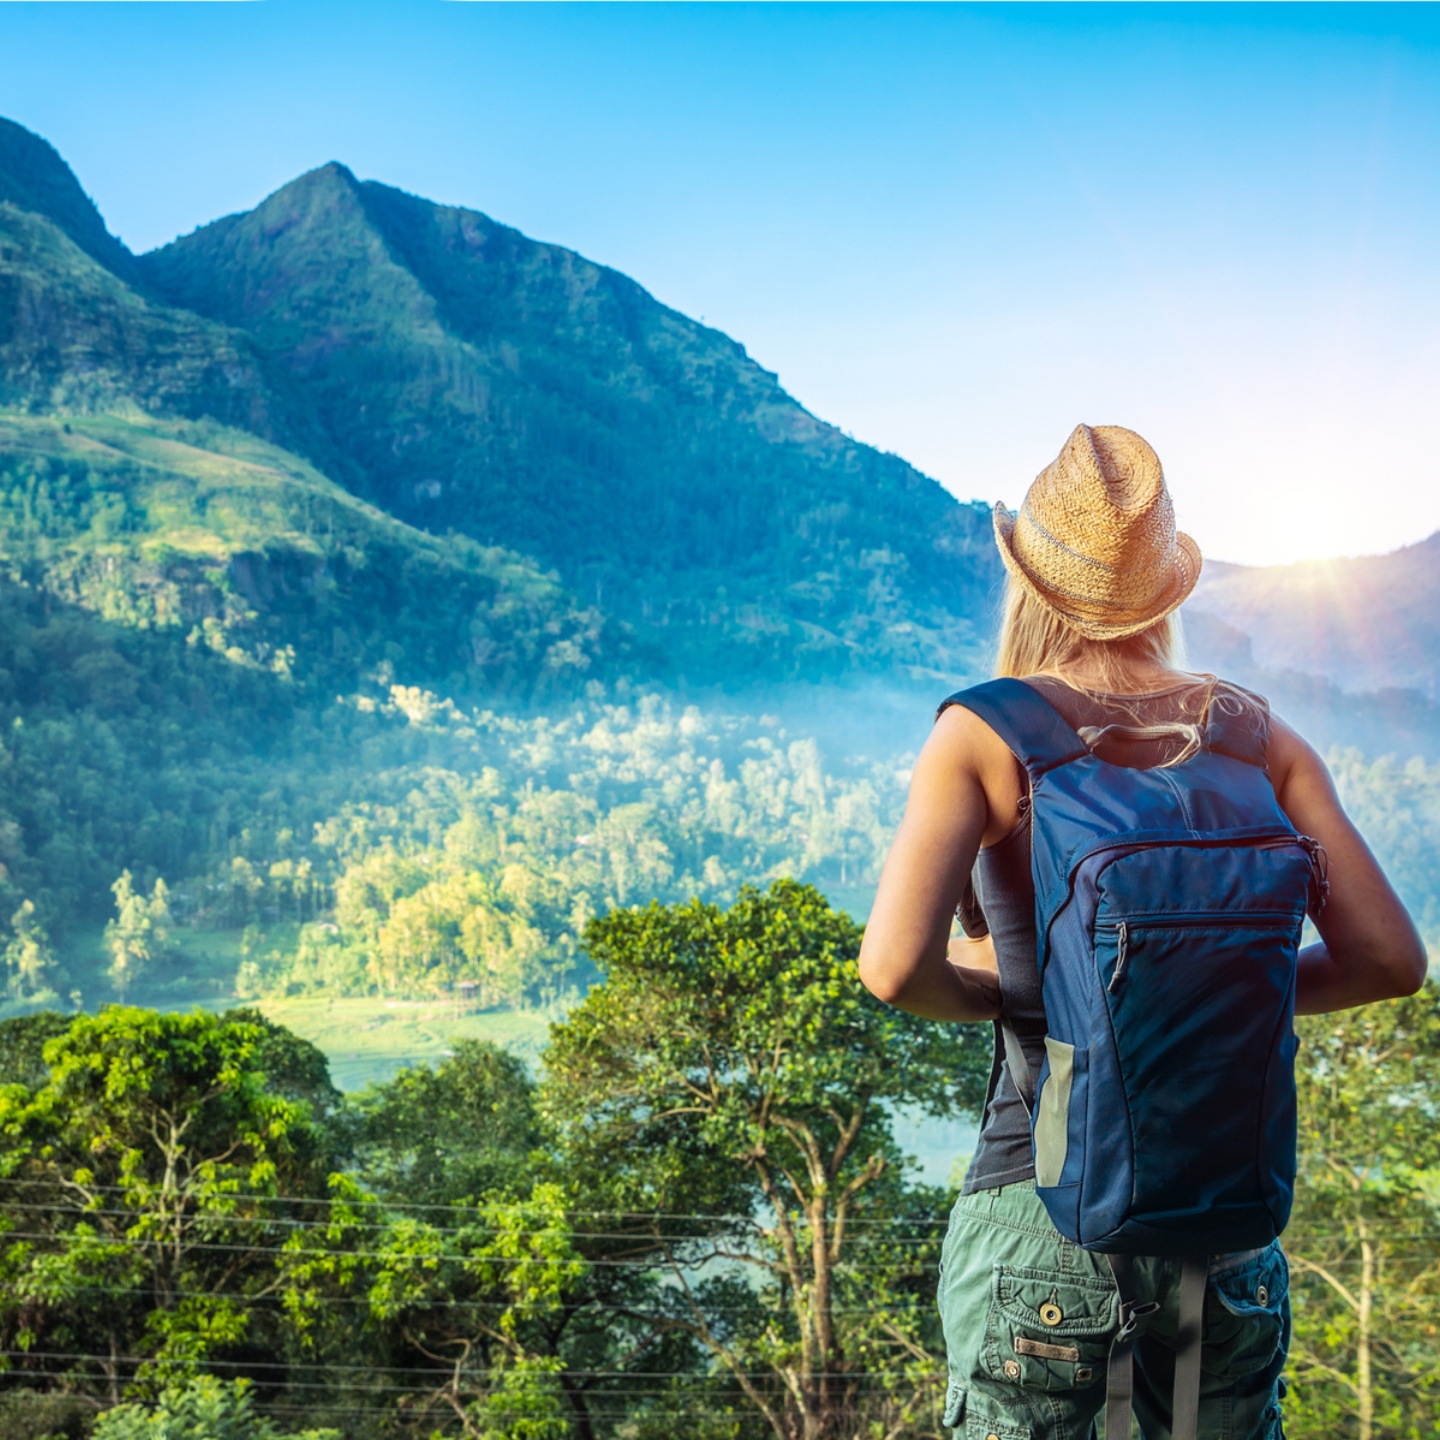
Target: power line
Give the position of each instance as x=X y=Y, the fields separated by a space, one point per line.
x=563 y=1374
x=401 y=1369
x=393 y=1392
x=322 y=1407
x=99 y=1242
x=220 y=1219
x=648 y=1215
x=588 y=1307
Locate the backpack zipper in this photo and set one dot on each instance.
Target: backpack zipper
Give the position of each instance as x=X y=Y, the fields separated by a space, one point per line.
x=1319 y=870
x=1259 y=838
x=1178 y=921
x=1204 y=919
x=1122 y=936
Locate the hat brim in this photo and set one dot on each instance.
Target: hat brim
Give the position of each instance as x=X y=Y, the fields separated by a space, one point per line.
x=1182 y=580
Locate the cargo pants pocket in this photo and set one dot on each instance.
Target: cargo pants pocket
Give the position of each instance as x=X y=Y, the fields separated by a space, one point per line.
x=1247 y=1316
x=976 y=1417
x=1048 y=1331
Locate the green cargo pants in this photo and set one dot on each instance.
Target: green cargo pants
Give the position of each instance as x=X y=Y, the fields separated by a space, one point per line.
x=1029 y=1318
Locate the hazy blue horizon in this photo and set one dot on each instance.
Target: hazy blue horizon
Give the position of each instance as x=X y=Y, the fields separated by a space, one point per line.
x=953 y=230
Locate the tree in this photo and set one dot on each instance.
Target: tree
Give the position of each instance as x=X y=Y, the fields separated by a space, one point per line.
x=464 y=1302
x=1364 y=1242
x=22 y=1047
x=731 y=1064
x=139 y=932
x=203 y=1409
x=146 y=1169
x=438 y=1137
x=31 y=971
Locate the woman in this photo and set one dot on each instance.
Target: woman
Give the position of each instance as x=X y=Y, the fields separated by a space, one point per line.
x=1096 y=573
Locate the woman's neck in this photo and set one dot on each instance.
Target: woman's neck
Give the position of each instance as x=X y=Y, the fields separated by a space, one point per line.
x=1133 y=677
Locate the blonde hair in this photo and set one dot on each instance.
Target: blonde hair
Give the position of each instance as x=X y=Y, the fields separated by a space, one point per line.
x=1034 y=640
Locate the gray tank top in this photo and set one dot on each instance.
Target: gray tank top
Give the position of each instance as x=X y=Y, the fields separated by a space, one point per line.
x=1000 y=901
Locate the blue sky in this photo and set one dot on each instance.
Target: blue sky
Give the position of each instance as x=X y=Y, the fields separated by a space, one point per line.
x=953 y=230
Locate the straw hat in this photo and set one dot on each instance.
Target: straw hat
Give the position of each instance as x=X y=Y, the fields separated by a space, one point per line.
x=1095 y=539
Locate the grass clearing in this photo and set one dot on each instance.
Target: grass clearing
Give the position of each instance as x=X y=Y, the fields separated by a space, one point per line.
x=371 y=1039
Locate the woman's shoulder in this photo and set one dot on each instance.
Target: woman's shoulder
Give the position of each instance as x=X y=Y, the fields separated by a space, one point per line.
x=1227 y=692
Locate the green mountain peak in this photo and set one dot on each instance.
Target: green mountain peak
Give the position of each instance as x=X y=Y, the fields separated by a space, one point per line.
x=33 y=177
x=466 y=377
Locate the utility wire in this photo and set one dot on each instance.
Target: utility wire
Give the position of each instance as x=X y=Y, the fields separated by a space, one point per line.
x=570 y=1371
x=647 y=1215
x=277 y=1299
x=220 y=1219
x=447 y=1375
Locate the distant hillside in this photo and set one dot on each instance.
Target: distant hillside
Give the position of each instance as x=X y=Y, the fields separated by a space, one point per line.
x=75 y=338
x=1390 y=721
x=34 y=178
x=245 y=550
x=363 y=559
x=1364 y=624
x=467 y=377
x=143 y=476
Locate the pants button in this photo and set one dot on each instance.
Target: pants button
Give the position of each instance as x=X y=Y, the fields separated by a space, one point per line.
x=1012 y=1370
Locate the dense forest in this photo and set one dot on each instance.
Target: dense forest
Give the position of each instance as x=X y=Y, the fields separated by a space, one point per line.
x=696 y=1223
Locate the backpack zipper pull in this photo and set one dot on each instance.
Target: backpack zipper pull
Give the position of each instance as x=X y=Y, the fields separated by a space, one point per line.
x=1122 y=939
x=1319 y=873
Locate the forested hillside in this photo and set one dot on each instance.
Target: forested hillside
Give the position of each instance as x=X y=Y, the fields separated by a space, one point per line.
x=260 y=501
x=362 y=558
x=1370 y=623
x=467 y=377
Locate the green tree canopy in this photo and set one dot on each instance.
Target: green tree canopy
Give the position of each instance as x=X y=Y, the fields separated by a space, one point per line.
x=142 y=1170
x=203 y=1409
x=731 y=1064
x=1365 y=1238
x=461 y=1131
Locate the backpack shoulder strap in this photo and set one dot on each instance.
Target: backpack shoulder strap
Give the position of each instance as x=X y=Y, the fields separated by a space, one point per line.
x=1237 y=724
x=1026 y=721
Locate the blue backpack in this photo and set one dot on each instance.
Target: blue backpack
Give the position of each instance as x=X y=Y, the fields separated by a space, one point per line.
x=1169 y=907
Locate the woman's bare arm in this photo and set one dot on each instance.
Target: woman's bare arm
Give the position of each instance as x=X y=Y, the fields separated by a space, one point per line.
x=1369 y=948
x=964 y=791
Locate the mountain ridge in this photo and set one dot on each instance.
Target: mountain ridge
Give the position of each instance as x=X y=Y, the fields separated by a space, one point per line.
x=460 y=376
x=532 y=397
x=34 y=177
x=1364 y=623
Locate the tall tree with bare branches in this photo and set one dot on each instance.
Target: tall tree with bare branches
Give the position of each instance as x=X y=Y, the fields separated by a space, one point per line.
x=1364 y=1244
x=732 y=1065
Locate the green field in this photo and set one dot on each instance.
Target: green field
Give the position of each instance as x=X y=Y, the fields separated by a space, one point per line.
x=371 y=1039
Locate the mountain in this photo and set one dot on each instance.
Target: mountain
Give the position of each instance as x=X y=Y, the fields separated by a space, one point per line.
x=34 y=178
x=341 y=532
x=286 y=508
x=75 y=337
x=466 y=377
x=1371 y=623
x=136 y=478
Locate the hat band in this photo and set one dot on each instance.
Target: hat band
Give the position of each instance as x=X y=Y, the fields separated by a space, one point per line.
x=1098 y=602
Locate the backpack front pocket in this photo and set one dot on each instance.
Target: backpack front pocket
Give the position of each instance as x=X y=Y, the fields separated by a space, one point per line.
x=1198 y=1010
